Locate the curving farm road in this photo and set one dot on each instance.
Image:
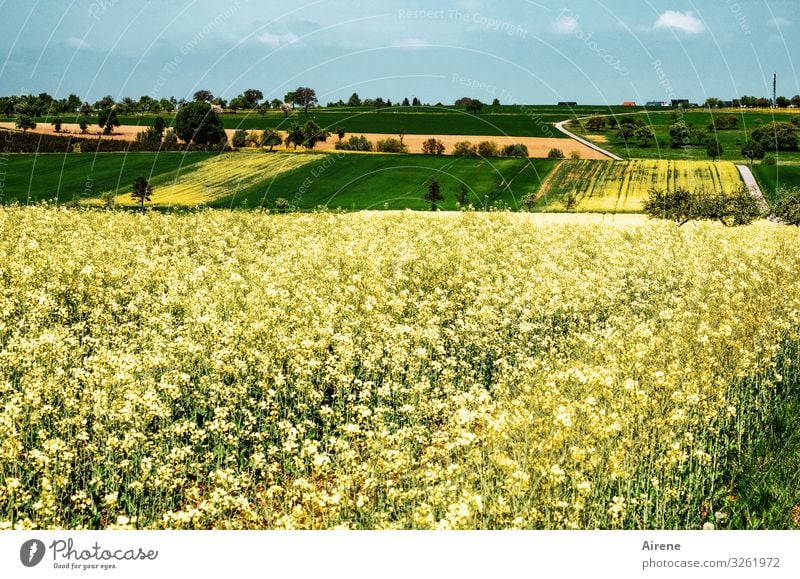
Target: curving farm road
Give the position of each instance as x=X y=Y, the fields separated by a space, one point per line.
x=560 y=127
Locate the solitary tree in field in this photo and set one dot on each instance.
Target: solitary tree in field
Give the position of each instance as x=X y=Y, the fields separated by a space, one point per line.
x=203 y=96
x=626 y=132
x=159 y=125
x=434 y=194
x=596 y=123
x=474 y=106
x=752 y=150
x=296 y=136
x=340 y=132
x=197 y=123
x=25 y=122
x=644 y=135
x=554 y=153
x=271 y=139
x=305 y=97
x=142 y=191
x=433 y=147
x=56 y=122
x=714 y=150
x=239 y=138
x=84 y=125
x=680 y=135
x=788 y=208
x=253 y=96
x=354 y=100
x=313 y=134
x=107 y=119
x=462 y=197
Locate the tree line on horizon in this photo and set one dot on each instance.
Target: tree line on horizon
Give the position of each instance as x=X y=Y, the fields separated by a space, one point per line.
x=45 y=105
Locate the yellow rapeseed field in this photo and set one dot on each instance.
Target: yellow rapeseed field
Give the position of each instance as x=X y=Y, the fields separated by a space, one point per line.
x=220 y=177
x=619 y=187
x=382 y=370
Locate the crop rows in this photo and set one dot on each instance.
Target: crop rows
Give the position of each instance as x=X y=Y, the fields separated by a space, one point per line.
x=622 y=187
x=223 y=176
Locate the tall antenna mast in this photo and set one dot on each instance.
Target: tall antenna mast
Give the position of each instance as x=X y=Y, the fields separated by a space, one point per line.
x=774 y=90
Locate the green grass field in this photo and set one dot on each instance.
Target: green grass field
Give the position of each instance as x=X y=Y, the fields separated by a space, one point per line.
x=64 y=178
x=493 y=121
x=773 y=177
x=306 y=180
x=357 y=181
x=730 y=140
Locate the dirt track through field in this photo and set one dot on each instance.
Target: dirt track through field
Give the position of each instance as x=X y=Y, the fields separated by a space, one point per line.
x=537 y=147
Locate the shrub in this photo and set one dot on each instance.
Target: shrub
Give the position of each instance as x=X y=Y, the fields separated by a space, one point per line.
x=681 y=205
x=170 y=139
x=434 y=194
x=253 y=140
x=596 y=123
x=433 y=147
x=714 y=150
x=752 y=150
x=239 y=139
x=488 y=149
x=555 y=154
x=149 y=137
x=271 y=139
x=391 y=145
x=529 y=201
x=462 y=197
x=769 y=160
x=465 y=149
x=723 y=123
x=354 y=143
x=776 y=137
x=575 y=156
x=25 y=122
x=680 y=135
x=31 y=143
x=787 y=210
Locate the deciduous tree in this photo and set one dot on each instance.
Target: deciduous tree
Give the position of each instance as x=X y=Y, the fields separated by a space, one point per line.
x=142 y=191
x=434 y=194
x=197 y=123
x=25 y=122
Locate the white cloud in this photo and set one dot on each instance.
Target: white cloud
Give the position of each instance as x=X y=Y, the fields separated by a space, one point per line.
x=779 y=23
x=566 y=25
x=685 y=22
x=277 y=40
x=77 y=43
x=410 y=43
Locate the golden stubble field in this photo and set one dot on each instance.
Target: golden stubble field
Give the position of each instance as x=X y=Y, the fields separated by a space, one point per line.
x=537 y=147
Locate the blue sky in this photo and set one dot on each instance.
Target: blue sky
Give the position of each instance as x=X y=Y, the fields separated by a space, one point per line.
x=520 y=51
